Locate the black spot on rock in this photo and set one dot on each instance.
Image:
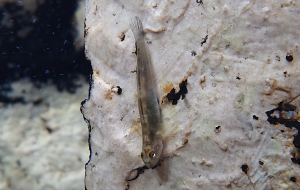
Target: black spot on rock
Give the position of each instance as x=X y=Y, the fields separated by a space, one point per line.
x=293 y=179
x=122 y=37
x=183 y=90
x=285 y=107
x=37 y=102
x=296 y=160
x=174 y=97
x=296 y=140
x=238 y=78
x=200 y=2
x=8 y=100
x=49 y=130
x=119 y=90
x=204 y=40
x=255 y=117
x=193 y=53
x=217 y=129
x=245 y=168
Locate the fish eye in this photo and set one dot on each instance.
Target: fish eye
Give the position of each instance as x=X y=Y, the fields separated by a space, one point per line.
x=152 y=154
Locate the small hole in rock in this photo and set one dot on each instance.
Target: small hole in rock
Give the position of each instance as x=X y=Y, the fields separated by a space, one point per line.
x=293 y=179
x=245 y=168
x=261 y=163
x=119 y=90
x=238 y=78
x=289 y=58
x=122 y=37
x=193 y=53
x=199 y=2
x=49 y=130
x=217 y=129
x=255 y=117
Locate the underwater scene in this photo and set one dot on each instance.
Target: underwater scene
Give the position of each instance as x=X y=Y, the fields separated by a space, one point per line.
x=44 y=77
x=138 y=95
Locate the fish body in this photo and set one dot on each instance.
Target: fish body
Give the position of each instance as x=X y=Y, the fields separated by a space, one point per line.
x=147 y=100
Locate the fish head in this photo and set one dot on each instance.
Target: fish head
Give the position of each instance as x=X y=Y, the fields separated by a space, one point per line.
x=151 y=153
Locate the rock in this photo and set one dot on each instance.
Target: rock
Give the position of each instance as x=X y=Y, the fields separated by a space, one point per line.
x=233 y=73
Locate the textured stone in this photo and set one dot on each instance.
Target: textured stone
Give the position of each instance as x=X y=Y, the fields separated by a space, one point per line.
x=43 y=140
x=236 y=123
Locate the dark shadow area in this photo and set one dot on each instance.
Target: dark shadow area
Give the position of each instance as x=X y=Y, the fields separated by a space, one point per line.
x=40 y=46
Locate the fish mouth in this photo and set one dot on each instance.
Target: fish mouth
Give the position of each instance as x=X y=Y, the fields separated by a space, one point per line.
x=149 y=165
x=155 y=166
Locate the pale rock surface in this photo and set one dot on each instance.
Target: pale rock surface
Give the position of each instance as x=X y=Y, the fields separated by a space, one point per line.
x=43 y=143
x=233 y=56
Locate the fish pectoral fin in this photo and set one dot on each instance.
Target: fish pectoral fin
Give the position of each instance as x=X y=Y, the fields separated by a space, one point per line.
x=137 y=128
x=170 y=154
x=169 y=133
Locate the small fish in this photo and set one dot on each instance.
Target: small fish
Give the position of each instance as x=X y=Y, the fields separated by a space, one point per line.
x=147 y=100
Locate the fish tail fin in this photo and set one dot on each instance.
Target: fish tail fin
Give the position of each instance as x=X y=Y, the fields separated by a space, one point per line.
x=136 y=27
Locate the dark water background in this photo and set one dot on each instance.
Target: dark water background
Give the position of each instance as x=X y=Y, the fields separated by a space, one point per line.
x=40 y=45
